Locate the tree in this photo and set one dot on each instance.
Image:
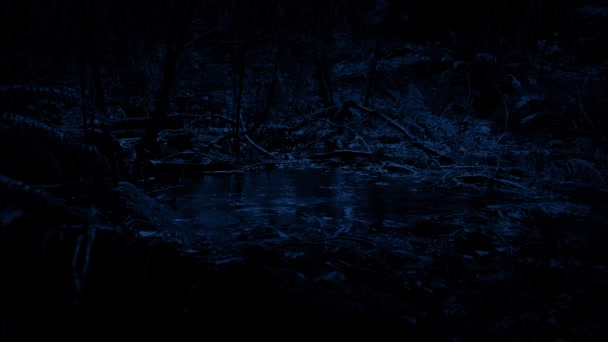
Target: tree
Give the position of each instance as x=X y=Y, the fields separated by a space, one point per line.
x=180 y=13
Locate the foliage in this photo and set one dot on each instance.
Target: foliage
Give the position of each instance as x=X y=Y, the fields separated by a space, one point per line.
x=503 y=115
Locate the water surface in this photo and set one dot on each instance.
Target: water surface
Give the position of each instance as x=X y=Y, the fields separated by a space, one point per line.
x=292 y=196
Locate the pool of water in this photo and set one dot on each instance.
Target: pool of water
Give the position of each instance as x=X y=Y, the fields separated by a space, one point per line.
x=292 y=196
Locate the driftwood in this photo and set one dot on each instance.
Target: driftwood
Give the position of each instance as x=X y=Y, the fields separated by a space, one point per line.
x=342 y=154
x=175 y=121
x=411 y=137
x=338 y=114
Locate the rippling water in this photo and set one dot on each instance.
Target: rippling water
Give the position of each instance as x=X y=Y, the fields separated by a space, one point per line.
x=292 y=196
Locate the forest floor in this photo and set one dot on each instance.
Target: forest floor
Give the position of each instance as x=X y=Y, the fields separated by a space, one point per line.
x=531 y=268
x=534 y=267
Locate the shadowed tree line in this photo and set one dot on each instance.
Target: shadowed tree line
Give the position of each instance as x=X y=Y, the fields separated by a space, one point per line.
x=254 y=63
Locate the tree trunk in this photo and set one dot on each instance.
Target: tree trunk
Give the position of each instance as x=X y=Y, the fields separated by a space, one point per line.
x=148 y=148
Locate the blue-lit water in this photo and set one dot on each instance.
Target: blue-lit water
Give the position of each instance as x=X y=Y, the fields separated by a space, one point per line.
x=291 y=197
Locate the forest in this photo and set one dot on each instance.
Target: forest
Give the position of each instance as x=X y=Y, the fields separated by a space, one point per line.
x=277 y=168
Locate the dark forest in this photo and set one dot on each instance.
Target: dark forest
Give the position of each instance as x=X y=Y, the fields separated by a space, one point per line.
x=416 y=169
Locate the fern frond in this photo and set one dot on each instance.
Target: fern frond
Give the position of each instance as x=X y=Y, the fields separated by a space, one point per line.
x=44 y=91
x=16 y=122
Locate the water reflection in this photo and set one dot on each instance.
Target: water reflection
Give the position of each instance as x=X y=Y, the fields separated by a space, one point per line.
x=289 y=196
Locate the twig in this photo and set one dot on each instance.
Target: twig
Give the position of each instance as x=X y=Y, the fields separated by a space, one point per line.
x=506 y=113
x=580 y=106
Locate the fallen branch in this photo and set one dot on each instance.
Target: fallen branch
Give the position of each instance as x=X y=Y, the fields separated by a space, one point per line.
x=413 y=139
x=342 y=154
